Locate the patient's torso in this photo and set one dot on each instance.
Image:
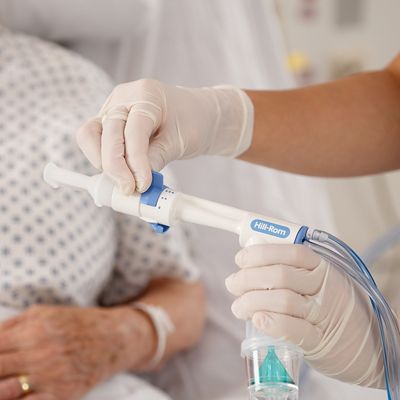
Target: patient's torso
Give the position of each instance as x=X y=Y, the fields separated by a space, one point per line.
x=55 y=246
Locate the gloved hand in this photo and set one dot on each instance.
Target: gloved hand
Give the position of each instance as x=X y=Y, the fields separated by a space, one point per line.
x=145 y=124
x=290 y=292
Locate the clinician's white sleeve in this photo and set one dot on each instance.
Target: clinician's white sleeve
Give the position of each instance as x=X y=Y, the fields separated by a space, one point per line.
x=290 y=292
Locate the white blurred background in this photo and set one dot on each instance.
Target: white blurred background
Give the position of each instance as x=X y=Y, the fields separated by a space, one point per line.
x=255 y=44
x=333 y=38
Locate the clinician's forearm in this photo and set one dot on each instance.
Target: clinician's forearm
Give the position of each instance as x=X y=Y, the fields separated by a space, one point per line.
x=348 y=127
x=185 y=304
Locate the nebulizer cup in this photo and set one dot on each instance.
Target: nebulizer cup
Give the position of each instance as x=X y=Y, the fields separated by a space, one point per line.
x=273 y=366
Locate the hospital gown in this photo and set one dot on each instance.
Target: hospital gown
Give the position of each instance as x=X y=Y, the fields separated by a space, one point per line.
x=56 y=246
x=200 y=44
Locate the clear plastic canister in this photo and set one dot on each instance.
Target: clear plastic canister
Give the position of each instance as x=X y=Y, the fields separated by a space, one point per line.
x=273 y=366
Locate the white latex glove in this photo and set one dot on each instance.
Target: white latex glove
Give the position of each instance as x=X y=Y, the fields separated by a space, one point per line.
x=146 y=124
x=290 y=292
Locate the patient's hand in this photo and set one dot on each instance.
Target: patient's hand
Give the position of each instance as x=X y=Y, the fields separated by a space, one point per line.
x=65 y=351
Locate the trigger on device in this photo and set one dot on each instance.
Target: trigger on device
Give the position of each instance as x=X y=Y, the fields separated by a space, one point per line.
x=151 y=195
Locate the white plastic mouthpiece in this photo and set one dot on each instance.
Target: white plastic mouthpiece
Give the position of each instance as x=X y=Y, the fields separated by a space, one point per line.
x=99 y=186
x=56 y=176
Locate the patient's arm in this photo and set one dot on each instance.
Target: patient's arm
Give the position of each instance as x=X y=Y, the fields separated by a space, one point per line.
x=67 y=350
x=185 y=304
x=343 y=128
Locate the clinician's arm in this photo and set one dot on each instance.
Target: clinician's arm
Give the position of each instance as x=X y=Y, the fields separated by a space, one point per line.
x=344 y=128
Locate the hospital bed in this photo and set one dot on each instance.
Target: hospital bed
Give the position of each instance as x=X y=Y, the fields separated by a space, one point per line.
x=204 y=43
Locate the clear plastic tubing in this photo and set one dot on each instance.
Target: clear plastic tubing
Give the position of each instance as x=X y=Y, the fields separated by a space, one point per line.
x=346 y=260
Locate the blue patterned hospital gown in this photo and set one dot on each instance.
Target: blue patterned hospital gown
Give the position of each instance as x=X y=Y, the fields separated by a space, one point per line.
x=56 y=246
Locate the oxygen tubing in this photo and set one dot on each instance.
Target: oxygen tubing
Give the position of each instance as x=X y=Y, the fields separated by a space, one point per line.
x=346 y=260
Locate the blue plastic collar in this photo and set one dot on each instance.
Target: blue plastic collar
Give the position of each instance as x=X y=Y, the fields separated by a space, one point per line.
x=151 y=196
x=301 y=235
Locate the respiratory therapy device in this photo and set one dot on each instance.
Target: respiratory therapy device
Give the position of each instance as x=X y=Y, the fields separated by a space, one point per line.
x=272 y=364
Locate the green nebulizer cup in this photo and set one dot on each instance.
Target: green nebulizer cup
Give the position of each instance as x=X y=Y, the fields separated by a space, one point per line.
x=273 y=366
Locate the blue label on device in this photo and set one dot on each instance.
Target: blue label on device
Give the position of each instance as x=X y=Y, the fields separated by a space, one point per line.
x=269 y=228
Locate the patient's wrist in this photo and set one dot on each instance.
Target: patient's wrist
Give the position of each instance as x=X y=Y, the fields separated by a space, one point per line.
x=136 y=333
x=163 y=327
